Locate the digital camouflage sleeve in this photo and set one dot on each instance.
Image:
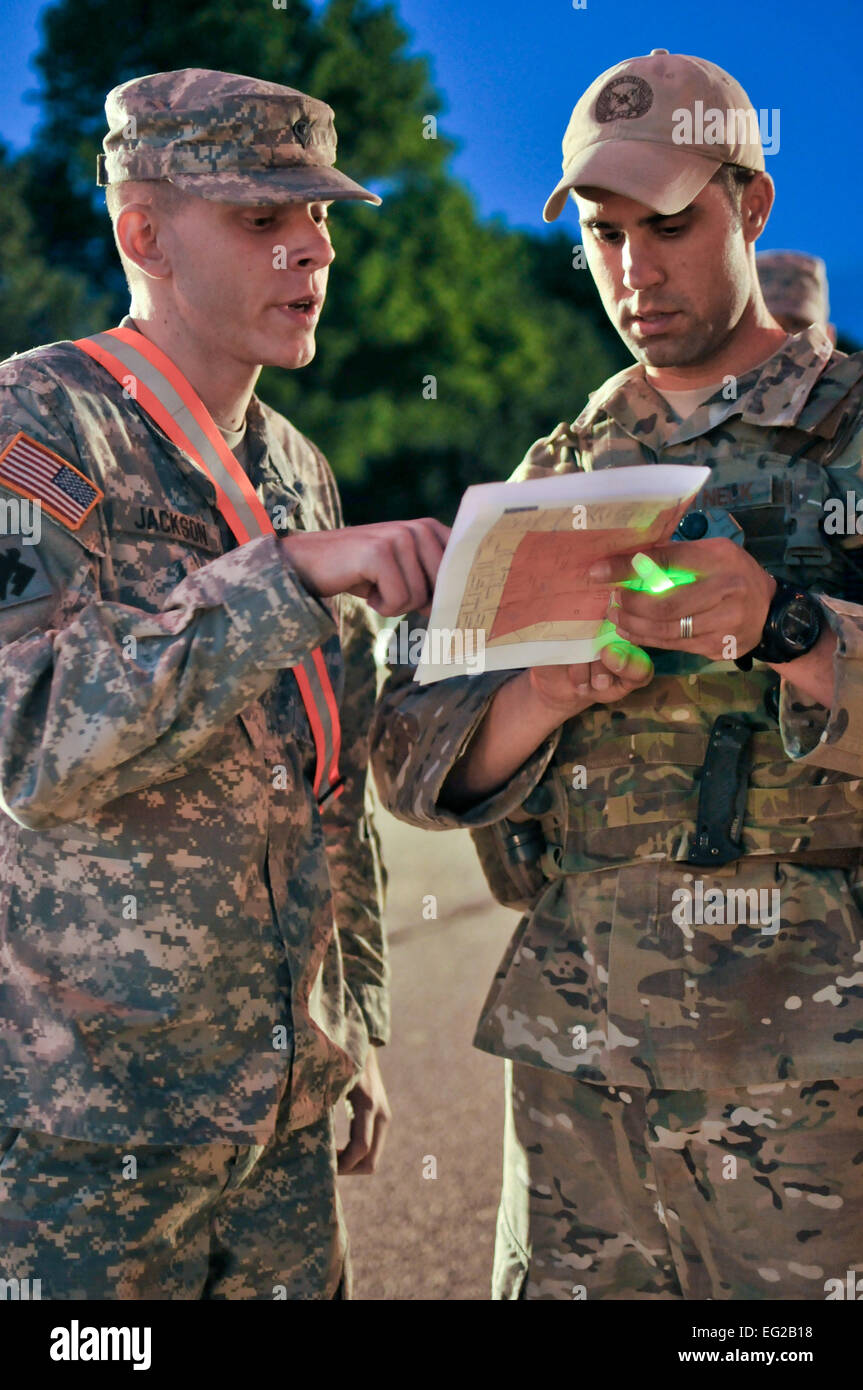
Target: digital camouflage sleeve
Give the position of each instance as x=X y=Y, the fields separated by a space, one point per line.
x=357 y=871
x=354 y=860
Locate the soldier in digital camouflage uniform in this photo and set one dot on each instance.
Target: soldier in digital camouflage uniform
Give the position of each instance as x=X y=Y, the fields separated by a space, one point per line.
x=684 y=1086
x=193 y=966
x=795 y=290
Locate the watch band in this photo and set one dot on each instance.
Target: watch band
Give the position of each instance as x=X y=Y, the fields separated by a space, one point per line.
x=770 y=646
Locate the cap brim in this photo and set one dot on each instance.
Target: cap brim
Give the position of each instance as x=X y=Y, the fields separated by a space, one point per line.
x=660 y=176
x=300 y=184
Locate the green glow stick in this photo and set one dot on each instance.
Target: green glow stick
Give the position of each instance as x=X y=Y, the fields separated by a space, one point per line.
x=654 y=579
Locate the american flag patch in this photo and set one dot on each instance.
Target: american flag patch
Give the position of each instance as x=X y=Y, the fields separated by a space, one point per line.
x=36 y=472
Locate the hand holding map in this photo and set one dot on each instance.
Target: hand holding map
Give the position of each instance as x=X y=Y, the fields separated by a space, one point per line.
x=513 y=584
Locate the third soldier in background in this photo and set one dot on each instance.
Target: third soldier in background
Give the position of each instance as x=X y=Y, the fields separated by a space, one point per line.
x=794 y=286
x=681 y=1007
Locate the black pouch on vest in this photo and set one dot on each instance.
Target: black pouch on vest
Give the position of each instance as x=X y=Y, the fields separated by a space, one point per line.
x=724 y=780
x=509 y=853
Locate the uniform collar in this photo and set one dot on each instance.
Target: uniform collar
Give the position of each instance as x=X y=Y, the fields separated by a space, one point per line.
x=261 y=466
x=771 y=394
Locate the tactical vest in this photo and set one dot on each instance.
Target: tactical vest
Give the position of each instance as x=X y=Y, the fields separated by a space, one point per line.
x=625 y=782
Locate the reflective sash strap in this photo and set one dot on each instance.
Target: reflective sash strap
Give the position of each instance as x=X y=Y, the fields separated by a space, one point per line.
x=158 y=395
x=166 y=395
x=317 y=692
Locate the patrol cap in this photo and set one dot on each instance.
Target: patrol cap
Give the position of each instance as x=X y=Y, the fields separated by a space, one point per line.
x=648 y=129
x=794 y=284
x=223 y=136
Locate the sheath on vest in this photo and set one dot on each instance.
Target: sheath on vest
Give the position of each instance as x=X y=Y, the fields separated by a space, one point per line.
x=638 y=779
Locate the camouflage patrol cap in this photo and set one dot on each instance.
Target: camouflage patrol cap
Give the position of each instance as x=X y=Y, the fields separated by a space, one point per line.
x=657 y=129
x=223 y=136
x=794 y=285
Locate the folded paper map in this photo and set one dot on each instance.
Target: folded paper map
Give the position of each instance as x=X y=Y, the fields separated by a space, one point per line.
x=512 y=590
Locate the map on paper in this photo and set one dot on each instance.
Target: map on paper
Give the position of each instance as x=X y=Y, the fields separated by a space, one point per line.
x=512 y=590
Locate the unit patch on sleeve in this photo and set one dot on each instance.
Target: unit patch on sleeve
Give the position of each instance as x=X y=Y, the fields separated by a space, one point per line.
x=34 y=471
x=22 y=574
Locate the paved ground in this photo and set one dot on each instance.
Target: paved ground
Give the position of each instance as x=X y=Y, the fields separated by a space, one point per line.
x=417 y=1237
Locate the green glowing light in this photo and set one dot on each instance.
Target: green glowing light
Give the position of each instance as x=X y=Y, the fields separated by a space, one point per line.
x=626 y=648
x=654 y=580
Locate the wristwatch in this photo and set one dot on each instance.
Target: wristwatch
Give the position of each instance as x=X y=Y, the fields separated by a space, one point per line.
x=794 y=623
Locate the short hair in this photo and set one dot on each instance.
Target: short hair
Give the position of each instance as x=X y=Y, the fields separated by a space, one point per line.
x=160 y=194
x=734 y=178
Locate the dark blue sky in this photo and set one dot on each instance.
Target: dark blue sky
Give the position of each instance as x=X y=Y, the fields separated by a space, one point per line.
x=511 y=72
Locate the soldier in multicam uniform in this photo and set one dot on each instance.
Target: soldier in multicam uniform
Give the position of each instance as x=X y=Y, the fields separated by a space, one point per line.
x=193 y=965
x=681 y=1007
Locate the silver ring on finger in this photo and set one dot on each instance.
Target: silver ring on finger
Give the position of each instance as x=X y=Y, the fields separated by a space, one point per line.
x=686 y=626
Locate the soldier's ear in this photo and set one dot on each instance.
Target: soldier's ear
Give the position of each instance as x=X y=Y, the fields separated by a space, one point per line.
x=755 y=206
x=137 y=233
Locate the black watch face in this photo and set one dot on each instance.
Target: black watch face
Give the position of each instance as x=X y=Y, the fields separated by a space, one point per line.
x=799 y=624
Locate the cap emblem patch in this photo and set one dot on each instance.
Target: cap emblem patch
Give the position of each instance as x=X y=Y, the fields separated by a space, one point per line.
x=623 y=99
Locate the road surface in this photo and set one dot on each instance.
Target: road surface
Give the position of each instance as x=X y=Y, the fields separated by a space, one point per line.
x=413 y=1235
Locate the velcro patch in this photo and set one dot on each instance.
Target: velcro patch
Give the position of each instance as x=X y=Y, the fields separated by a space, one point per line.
x=742 y=492
x=35 y=471
x=22 y=574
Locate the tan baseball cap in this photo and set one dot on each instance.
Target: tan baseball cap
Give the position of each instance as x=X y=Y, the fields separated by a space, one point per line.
x=794 y=285
x=223 y=136
x=657 y=129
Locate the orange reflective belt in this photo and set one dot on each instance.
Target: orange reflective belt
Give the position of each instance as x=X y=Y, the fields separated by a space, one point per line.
x=163 y=391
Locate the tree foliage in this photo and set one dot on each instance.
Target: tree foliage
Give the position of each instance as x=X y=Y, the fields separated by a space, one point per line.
x=39 y=302
x=448 y=342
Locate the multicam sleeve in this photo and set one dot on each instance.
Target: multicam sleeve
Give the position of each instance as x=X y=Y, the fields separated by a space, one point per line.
x=420 y=732
x=830 y=738
x=550 y=454
x=357 y=873
x=842 y=514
